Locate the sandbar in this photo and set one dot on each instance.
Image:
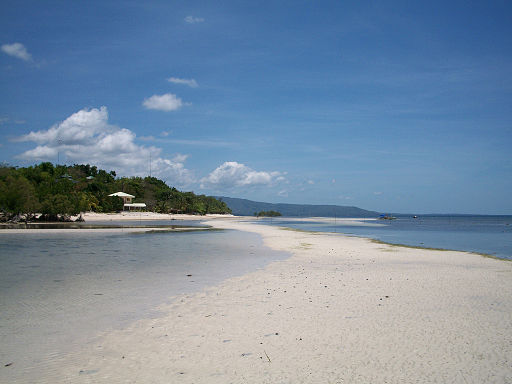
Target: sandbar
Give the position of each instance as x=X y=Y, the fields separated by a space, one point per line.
x=339 y=310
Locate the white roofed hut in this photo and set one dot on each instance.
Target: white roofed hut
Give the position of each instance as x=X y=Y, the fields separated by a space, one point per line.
x=127 y=198
x=127 y=201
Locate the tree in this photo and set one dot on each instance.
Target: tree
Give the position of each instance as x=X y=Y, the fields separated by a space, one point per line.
x=17 y=196
x=268 y=214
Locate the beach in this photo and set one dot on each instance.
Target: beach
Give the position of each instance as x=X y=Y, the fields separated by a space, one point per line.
x=339 y=309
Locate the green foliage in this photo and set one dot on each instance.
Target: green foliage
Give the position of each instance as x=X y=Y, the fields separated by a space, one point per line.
x=17 y=194
x=69 y=190
x=267 y=214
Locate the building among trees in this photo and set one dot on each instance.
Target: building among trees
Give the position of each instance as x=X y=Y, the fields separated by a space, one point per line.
x=127 y=200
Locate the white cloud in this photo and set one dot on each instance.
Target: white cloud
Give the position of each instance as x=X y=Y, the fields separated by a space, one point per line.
x=172 y=171
x=17 y=50
x=190 y=82
x=193 y=20
x=166 y=102
x=232 y=174
x=180 y=158
x=377 y=193
x=41 y=153
x=311 y=182
x=79 y=128
x=87 y=137
x=283 y=193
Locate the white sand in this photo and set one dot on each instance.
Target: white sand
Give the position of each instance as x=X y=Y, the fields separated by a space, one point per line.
x=340 y=310
x=93 y=216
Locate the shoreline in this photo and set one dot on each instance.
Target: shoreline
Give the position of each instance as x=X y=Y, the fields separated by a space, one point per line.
x=400 y=245
x=353 y=222
x=152 y=216
x=105 y=218
x=339 y=309
x=74 y=287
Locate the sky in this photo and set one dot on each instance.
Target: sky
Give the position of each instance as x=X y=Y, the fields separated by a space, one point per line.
x=393 y=106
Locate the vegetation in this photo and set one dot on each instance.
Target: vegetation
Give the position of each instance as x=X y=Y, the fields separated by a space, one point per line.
x=60 y=191
x=267 y=214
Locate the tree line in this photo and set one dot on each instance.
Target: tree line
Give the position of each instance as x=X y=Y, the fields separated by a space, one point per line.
x=267 y=214
x=57 y=191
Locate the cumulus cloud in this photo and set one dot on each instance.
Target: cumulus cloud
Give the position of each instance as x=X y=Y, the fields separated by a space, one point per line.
x=87 y=137
x=190 y=82
x=79 y=128
x=166 y=102
x=193 y=20
x=232 y=174
x=17 y=50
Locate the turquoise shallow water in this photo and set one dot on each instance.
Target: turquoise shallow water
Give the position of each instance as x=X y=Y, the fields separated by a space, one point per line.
x=483 y=234
x=59 y=290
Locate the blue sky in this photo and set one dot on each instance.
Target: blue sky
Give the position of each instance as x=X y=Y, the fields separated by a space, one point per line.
x=391 y=106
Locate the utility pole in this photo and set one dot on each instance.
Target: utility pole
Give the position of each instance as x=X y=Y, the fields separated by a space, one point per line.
x=59 y=142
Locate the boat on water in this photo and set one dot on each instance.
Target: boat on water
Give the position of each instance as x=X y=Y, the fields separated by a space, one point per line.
x=387 y=217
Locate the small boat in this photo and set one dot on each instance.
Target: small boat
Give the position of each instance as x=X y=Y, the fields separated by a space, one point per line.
x=415 y=217
x=387 y=217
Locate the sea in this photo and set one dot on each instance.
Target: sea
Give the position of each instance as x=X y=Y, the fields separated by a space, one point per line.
x=490 y=235
x=59 y=291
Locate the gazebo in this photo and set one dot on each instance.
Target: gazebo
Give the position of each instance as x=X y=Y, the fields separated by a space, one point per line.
x=127 y=200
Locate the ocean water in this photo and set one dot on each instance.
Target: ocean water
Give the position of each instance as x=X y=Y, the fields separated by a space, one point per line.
x=59 y=291
x=490 y=235
x=108 y=224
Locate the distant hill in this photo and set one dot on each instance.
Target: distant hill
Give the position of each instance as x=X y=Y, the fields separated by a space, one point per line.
x=243 y=207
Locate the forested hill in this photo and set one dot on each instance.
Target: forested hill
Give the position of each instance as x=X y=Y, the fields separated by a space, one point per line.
x=69 y=190
x=249 y=208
